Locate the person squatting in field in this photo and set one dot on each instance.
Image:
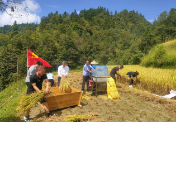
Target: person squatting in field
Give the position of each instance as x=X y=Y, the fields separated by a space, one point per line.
x=115 y=71
x=35 y=85
x=132 y=75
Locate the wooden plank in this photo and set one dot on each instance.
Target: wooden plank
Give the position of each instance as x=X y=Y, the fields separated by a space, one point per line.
x=56 y=89
x=79 y=102
x=62 y=104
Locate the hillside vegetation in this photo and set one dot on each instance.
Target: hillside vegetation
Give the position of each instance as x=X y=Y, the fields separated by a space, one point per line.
x=8 y=112
x=95 y=34
x=161 y=56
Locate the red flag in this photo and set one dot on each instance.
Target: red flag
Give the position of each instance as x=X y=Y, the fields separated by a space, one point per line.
x=33 y=58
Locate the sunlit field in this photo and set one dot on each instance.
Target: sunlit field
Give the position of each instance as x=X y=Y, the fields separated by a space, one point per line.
x=158 y=81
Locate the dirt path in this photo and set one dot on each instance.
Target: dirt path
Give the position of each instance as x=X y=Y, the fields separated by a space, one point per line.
x=133 y=106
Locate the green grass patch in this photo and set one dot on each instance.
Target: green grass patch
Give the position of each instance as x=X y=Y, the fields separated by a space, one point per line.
x=8 y=111
x=161 y=56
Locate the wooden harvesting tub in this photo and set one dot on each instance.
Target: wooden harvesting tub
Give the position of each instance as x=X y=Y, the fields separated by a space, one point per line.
x=58 y=100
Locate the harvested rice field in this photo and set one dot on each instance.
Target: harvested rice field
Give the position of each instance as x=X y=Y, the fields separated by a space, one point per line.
x=132 y=106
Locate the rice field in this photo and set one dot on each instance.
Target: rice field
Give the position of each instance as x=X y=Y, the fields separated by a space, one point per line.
x=158 y=81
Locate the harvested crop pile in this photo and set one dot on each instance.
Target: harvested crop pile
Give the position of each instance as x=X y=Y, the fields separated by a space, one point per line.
x=83 y=118
x=76 y=118
x=64 y=86
x=29 y=101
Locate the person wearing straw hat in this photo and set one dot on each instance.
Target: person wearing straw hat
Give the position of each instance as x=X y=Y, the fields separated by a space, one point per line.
x=94 y=63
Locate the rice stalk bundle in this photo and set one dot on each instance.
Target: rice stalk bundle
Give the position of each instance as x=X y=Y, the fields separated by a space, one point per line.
x=64 y=86
x=29 y=101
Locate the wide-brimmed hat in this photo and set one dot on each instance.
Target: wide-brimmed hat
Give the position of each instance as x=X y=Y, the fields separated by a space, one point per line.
x=94 y=63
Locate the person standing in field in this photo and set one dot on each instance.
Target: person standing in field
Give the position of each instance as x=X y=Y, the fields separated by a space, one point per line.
x=32 y=70
x=62 y=71
x=115 y=71
x=50 y=77
x=132 y=75
x=35 y=85
x=86 y=74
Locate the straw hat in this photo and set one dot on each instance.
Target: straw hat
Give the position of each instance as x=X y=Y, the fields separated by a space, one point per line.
x=94 y=63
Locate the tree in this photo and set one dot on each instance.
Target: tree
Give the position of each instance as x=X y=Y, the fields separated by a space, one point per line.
x=147 y=41
x=15 y=30
x=93 y=34
x=3 y=39
x=14 y=8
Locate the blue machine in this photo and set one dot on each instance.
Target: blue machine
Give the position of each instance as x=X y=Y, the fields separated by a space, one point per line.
x=99 y=70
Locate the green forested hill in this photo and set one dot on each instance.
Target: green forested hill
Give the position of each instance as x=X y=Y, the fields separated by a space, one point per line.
x=119 y=38
x=161 y=56
x=7 y=29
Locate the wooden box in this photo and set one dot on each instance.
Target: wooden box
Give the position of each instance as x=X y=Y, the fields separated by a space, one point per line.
x=58 y=100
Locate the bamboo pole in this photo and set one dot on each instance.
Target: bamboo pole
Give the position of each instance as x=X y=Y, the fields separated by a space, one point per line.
x=27 y=61
x=5 y=102
x=17 y=67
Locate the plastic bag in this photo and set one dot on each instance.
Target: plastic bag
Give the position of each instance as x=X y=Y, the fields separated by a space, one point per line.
x=112 y=89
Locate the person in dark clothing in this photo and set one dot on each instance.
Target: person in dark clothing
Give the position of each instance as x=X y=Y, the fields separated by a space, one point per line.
x=35 y=85
x=132 y=75
x=31 y=71
x=115 y=71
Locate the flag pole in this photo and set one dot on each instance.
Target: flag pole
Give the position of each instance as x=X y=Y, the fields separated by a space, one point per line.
x=27 y=60
x=17 y=68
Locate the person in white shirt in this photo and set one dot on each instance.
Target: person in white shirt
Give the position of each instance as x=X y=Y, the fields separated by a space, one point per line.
x=62 y=71
x=51 y=78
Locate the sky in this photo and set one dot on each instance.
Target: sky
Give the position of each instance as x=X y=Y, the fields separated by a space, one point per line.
x=151 y=9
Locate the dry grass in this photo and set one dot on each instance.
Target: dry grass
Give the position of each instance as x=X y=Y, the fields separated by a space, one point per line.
x=84 y=118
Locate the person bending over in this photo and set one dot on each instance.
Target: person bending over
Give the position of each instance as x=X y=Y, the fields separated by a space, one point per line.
x=32 y=70
x=35 y=85
x=132 y=75
x=115 y=71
